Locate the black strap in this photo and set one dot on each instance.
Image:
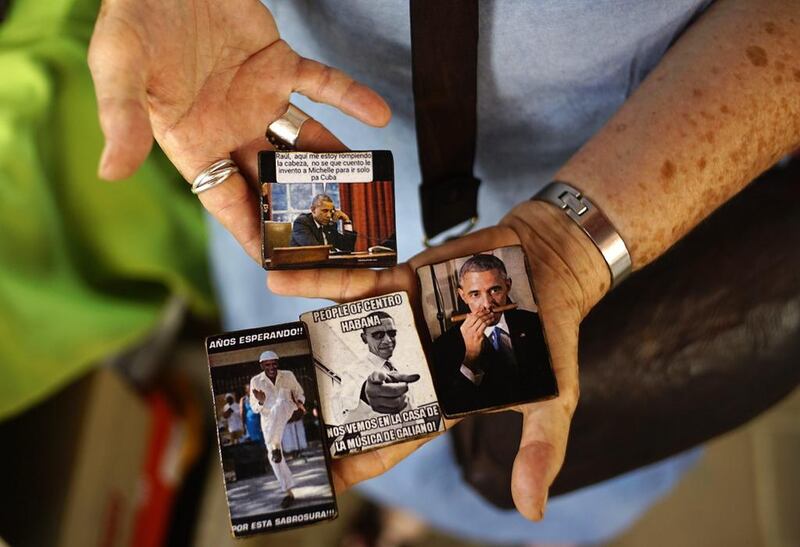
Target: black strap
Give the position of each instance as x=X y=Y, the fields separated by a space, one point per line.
x=444 y=50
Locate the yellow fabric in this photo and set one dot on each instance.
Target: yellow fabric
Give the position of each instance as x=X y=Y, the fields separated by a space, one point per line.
x=85 y=265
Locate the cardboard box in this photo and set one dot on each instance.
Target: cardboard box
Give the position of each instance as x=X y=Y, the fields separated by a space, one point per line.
x=89 y=463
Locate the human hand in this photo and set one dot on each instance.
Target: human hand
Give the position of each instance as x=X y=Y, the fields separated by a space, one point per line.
x=205 y=78
x=570 y=277
x=340 y=215
x=387 y=392
x=260 y=395
x=472 y=332
x=300 y=406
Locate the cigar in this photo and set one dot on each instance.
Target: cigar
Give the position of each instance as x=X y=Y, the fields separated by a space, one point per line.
x=461 y=316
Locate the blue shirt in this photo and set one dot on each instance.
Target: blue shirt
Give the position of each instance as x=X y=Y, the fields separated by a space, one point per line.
x=550 y=74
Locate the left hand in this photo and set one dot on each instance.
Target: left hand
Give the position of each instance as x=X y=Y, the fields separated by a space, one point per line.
x=204 y=78
x=300 y=406
x=565 y=273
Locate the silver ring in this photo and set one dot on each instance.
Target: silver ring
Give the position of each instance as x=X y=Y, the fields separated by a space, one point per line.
x=214 y=175
x=282 y=133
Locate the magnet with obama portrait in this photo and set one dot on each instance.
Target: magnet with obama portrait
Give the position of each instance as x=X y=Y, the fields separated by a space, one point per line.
x=327 y=209
x=488 y=348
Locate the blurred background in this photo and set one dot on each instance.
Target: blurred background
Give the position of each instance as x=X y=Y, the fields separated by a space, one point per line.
x=106 y=417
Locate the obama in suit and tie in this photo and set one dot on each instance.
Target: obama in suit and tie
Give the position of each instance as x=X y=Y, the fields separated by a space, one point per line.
x=493 y=358
x=319 y=226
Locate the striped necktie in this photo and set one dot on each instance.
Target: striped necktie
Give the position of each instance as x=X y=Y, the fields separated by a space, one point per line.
x=501 y=342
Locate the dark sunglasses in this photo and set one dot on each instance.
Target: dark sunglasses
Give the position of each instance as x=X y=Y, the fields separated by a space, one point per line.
x=379 y=334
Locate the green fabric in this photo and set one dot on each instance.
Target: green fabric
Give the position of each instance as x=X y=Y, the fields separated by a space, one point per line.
x=86 y=266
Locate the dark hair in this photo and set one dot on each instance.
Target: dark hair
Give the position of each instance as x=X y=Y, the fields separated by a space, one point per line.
x=482 y=263
x=381 y=314
x=319 y=198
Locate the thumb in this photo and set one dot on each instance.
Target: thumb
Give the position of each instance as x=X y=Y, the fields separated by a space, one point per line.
x=545 y=425
x=117 y=67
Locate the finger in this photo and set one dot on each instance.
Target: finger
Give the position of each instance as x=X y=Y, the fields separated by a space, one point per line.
x=341 y=285
x=351 y=470
x=377 y=377
x=482 y=321
x=389 y=391
x=478 y=327
x=407 y=378
x=235 y=206
x=469 y=322
x=485 y=314
x=483 y=317
x=117 y=64
x=315 y=137
x=545 y=426
x=331 y=86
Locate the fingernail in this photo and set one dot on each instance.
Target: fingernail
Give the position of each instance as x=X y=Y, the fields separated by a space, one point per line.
x=544 y=504
x=102 y=170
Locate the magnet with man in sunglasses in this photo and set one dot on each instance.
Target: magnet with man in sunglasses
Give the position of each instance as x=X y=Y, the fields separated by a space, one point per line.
x=374 y=382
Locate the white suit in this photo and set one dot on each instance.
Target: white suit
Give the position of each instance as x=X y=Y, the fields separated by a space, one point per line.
x=277 y=408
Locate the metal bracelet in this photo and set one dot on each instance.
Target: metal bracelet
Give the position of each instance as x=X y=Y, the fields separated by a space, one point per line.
x=594 y=224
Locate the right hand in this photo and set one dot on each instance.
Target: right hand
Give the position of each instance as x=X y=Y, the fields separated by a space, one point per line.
x=387 y=392
x=205 y=78
x=340 y=215
x=259 y=395
x=472 y=331
x=570 y=275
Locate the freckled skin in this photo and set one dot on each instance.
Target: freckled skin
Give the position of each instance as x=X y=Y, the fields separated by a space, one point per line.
x=708 y=116
x=757 y=55
x=668 y=170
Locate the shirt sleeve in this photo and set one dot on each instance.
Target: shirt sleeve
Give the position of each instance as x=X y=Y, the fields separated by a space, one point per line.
x=297 y=390
x=351 y=393
x=255 y=404
x=361 y=411
x=476 y=377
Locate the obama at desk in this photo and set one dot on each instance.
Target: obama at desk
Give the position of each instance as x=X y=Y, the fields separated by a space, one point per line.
x=319 y=226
